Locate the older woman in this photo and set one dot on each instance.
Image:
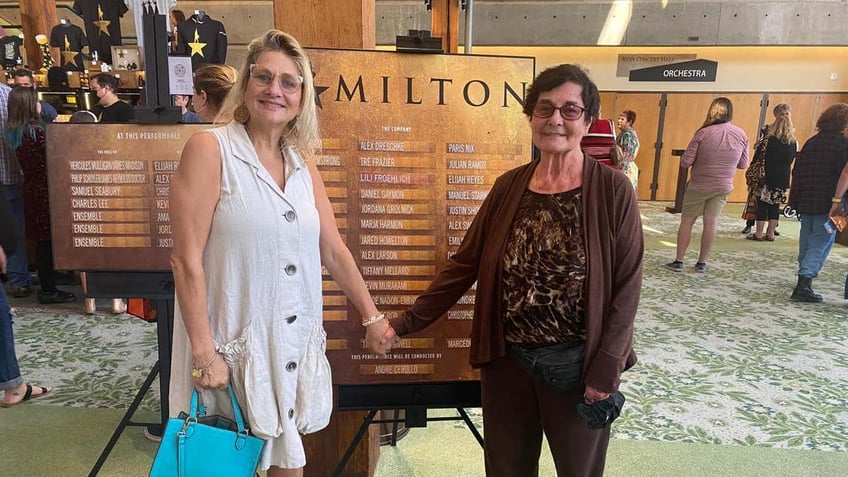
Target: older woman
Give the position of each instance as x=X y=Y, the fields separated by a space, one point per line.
x=252 y=227
x=716 y=150
x=556 y=251
x=813 y=191
x=779 y=148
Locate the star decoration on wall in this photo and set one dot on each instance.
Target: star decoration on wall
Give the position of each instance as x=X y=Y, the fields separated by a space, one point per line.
x=196 y=46
x=102 y=24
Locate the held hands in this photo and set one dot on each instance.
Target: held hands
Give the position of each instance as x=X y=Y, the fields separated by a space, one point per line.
x=380 y=337
x=591 y=395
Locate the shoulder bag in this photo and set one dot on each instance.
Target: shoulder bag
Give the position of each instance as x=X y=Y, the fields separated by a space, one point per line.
x=197 y=446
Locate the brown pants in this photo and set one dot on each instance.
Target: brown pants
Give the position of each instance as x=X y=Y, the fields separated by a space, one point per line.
x=517 y=409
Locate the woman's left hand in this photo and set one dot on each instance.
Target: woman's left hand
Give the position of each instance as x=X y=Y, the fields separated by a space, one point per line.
x=591 y=395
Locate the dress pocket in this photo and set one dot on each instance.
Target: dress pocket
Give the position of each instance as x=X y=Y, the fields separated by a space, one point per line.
x=314 y=398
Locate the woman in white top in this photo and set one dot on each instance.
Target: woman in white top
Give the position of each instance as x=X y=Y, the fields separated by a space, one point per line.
x=252 y=226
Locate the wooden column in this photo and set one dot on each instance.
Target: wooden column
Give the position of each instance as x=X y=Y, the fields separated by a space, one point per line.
x=444 y=23
x=38 y=17
x=328 y=23
x=334 y=24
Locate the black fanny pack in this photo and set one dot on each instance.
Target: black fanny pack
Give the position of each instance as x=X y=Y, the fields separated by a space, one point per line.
x=559 y=366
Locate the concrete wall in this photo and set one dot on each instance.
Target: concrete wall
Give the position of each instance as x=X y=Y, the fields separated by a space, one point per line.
x=565 y=31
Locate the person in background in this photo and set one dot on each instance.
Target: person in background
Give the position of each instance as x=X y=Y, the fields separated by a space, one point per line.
x=15 y=389
x=17 y=272
x=556 y=253
x=212 y=83
x=627 y=147
x=599 y=142
x=23 y=77
x=89 y=307
x=26 y=134
x=750 y=212
x=252 y=227
x=714 y=153
x=177 y=17
x=813 y=193
x=187 y=116
x=780 y=150
x=110 y=108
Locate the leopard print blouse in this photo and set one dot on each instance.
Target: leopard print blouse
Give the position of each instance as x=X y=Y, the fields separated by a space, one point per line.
x=544 y=271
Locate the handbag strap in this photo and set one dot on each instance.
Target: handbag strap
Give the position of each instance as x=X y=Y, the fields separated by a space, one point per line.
x=181 y=460
x=192 y=413
x=236 y=409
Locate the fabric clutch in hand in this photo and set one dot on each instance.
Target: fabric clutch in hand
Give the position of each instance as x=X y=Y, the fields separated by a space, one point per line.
x=192 y=448
x=601 y=413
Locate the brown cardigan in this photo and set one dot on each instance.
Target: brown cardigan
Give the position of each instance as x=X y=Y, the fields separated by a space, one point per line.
x=614 y=249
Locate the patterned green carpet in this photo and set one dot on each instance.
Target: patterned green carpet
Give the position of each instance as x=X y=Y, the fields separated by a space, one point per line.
x=725 y=357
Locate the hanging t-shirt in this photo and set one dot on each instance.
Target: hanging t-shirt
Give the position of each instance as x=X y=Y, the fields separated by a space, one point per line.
x=204 y=40
x=138 y=7
x=102 y=24
x=10 y=49
x=70 y=39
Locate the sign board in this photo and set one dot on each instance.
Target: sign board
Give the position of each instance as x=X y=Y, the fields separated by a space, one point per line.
x=109 y=186
x=687 y=71
x=637 y=61
x=179 y=75
x=412 y=144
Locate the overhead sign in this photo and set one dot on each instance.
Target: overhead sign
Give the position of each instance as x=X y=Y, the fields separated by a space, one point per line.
x=636 y=61
x=687 y=71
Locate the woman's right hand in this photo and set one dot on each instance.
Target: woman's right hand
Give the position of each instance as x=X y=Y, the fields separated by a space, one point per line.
x=215 y=376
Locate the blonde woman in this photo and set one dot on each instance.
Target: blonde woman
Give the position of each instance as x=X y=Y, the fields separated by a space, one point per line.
x=781 y=148
x=252 y=228
x=716 y=150
x=212 y=83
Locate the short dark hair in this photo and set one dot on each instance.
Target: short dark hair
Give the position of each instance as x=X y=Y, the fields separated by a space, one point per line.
x=23 y=72
x=557 y=76
x=834 y=119
x=630 y=115
x=107 y=80
x=82 y=116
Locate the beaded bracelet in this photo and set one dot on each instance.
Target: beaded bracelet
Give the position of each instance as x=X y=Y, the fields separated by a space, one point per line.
x=373 y=319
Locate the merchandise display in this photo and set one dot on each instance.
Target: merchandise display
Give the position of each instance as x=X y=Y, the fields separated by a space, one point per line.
x=102 y=24
x=10 y=50
x=70 y=40
x=202 y=38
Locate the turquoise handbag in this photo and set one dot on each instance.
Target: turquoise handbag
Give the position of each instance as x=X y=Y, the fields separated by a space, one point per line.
x=191 y=448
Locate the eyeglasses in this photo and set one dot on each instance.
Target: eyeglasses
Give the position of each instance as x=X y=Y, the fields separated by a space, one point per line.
x=264 y=76
x=568 y=111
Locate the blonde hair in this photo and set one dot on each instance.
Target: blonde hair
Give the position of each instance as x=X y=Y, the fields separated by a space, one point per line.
x=782 y=129
x=302 y=131
x=721 y=111
x=216 y=81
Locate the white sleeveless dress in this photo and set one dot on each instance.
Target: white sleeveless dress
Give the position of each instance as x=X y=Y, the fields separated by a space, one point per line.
x=263 y=274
